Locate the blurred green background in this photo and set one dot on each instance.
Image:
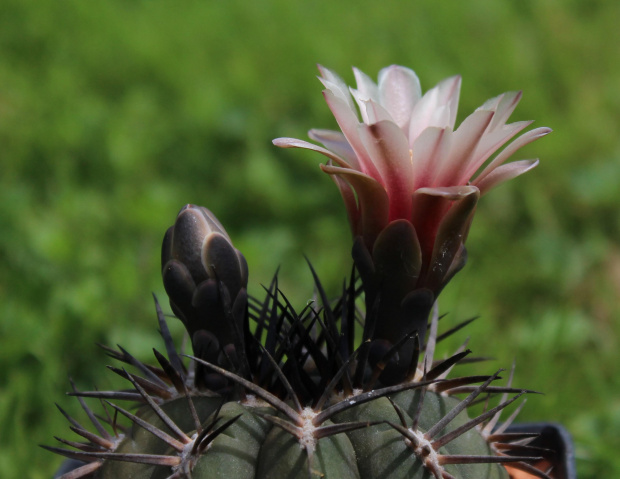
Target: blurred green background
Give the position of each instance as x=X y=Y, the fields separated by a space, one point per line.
x=113 y=114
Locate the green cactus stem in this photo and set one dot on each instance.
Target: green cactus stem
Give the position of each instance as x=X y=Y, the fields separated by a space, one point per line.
x=303 y=411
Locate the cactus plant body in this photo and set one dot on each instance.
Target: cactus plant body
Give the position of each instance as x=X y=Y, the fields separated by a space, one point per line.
x=348 y=387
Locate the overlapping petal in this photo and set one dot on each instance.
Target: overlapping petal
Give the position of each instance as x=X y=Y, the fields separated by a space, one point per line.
x=451 y=231
x=438 y=107
x=372 y=200
x=348 y=123
x=504 y=173
x=387 y=147
x=336 y=142
x=295 y=143
x=399 y=91
x=520 y=142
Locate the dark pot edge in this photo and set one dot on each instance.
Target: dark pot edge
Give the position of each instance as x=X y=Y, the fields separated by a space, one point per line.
x=556 y=437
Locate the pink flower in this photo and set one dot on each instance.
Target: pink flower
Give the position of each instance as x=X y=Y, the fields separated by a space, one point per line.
x=405 y=161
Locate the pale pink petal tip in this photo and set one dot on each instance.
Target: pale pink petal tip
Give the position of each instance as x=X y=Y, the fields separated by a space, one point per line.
x=399 y=91
x=504 y=173
x=285 y=142
x=295 y=143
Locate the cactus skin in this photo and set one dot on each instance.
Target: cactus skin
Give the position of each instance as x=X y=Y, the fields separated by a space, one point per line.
x=273 y=393
x=380 y=450
x=251 y=448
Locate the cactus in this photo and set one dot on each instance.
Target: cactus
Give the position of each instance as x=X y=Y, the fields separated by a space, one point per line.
x=345 y=388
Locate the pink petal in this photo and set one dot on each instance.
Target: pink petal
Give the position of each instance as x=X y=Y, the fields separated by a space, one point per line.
x=507 y=152
x=337 y=143
x=372 y=200
x=387 y=146
x=376 y=113
x=430 y=205
x=422 y=115
x=437 y=107
x=451 y=170
x=348 y=123
x=295 y=143
x=491 y=141
x=491 y=103
x=452 y=231
x=432 y=144
x=506 y=105
x=399 y=90
x=342 y=95
x=504 y=173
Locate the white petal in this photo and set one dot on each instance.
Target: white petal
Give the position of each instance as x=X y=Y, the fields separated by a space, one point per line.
x=399 y=91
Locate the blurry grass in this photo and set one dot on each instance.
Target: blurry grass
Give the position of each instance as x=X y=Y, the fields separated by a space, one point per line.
x=114 y=114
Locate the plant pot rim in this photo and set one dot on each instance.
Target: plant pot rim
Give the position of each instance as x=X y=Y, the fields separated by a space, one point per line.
x=556 y=437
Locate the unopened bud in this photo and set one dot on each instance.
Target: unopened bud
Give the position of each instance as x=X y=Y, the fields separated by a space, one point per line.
x=203 y=273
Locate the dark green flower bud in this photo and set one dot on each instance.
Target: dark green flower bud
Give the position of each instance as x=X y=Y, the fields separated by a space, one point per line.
x=205 y=277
